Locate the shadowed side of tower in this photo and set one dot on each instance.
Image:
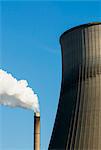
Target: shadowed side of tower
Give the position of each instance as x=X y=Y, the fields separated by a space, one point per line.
x=78 y=120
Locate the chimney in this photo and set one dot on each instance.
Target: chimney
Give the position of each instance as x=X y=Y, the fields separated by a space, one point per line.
x=37 y=131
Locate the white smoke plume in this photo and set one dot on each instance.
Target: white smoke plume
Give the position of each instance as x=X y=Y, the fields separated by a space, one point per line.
x=16 y=93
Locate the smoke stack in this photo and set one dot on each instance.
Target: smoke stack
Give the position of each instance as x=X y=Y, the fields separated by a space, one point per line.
x=37 y=131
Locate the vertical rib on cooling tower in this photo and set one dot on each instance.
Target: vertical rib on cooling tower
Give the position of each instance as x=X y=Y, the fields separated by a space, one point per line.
x=78 y=120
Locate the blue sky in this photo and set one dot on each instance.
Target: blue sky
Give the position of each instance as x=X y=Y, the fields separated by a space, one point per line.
x=30 y=49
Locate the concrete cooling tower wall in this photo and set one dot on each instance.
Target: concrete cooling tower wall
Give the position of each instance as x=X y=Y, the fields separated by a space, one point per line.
x=78 y=119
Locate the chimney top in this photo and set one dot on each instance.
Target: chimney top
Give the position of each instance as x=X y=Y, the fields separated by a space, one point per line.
x=37 y=114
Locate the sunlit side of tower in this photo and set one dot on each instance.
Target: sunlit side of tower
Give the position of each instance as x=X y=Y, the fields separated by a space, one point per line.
x=78 y=120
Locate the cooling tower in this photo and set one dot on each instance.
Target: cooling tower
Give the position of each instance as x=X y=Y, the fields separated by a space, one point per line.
x=78 y=119
x=37 y=131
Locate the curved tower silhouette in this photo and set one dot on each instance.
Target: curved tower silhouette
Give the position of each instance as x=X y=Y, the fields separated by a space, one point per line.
x=78 y=119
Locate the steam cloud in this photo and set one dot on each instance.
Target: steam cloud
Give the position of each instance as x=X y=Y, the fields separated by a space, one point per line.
x=15 y=93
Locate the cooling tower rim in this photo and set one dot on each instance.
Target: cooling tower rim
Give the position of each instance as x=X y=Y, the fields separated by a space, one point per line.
x=79 y=27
